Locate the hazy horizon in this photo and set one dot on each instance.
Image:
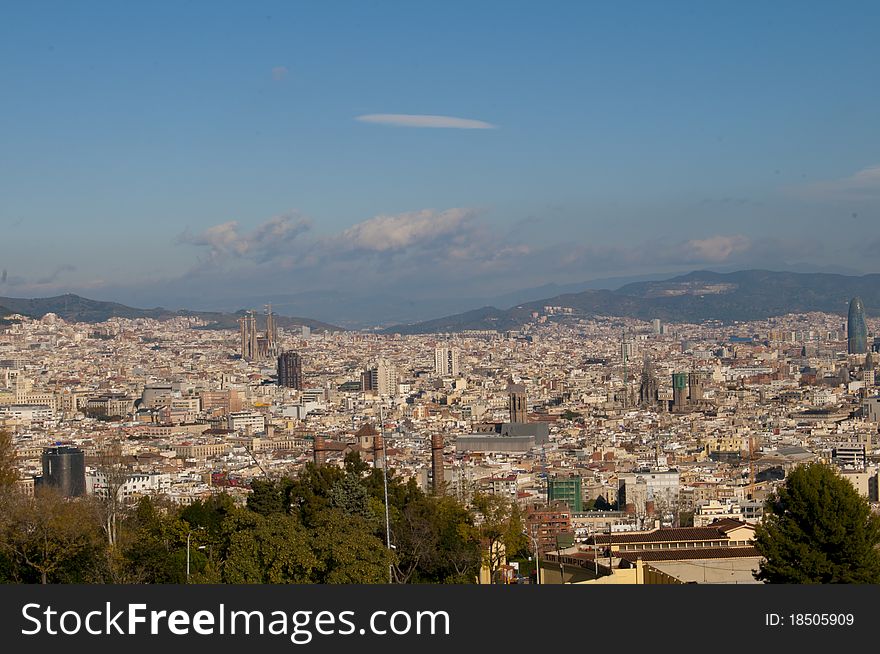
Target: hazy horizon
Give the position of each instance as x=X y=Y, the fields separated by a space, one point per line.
x=168 y=155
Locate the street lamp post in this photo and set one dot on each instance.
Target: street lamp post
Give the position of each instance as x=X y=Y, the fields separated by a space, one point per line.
x=537 y=556
x=595 y=553
x=385 y=484
x=188 y=537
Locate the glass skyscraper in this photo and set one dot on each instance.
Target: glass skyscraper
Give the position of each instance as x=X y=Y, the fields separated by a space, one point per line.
x=856 y=329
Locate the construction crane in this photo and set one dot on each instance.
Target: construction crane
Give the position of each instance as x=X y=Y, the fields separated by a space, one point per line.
x=262 y=469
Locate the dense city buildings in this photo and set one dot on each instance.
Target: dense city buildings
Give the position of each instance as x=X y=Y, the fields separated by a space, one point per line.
x=555 y=417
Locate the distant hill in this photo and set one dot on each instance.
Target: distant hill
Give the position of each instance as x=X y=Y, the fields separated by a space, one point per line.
x=695 y=297
x=3 y=313
x=485 y=318
x=74 y=308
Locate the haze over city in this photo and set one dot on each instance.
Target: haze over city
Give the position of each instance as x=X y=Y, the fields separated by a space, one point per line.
x=458 y=294
x=164 y=155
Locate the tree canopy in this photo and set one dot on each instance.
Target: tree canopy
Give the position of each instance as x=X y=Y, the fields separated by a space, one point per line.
x=326 y=525
x=818 y=530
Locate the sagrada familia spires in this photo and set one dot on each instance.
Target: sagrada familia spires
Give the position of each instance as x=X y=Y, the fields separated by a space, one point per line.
x=255 y=347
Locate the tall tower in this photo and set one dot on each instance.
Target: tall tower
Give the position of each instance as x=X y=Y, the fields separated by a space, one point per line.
x=437 y=480
x=320 y=450
x=64 y=468
x=271 y=333
x=695 y=386
x=387 y=378
x=370 y=380
x=679 y=390
x=446 y=361
x=290 y=373
x=648 y=389
x=516 y=402
x=244 y=336
x=856 y=329
x=247 y=329
x=378 y=451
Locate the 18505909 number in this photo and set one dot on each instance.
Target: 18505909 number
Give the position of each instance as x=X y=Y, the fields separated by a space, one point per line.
x=821 y=619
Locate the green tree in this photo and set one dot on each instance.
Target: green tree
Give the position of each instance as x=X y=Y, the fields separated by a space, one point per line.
x=309 y=494
x=415 y=535
x=457 y=556
x=155 y=543
x=818 y=530
x=350 y=496
x=267 y=497
x=50 y=540
x=262 y=550
x=501 y=529
x=8 y=469
x=346 y=550
x=209 y=514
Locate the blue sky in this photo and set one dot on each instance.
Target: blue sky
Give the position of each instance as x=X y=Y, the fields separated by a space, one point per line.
x=159 y=152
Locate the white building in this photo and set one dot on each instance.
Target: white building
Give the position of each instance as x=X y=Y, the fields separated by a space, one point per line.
x=386 y=375
x=446 y=361
x=642 y=486
x=25 y=412
x=135 y=485
x=247 y=422
x=708 y=511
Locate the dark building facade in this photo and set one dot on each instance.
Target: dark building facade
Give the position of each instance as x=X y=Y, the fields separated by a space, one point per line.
x=517 y=403
x=379 y=452
x=856 y=329
x=649 y=388
x=320 y=450
x=370 y=380
x=64 y=469
x=679 y=390
x=695 y=387
x=290 y=374
x=437 y=480
x=550 y=527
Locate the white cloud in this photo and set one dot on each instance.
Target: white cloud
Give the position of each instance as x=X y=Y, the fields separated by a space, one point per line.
x=864 y=183
x=714 y=249
x=265 y=242
x=711 y=250
x=418 y=120
x=398 y=232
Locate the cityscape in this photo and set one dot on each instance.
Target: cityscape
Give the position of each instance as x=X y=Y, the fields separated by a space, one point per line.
x=609 y=438
x=438 y=294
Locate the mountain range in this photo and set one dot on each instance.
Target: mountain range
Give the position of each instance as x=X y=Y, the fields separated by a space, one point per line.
x=79 y=309
x=694 y=297
x=383 y=308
